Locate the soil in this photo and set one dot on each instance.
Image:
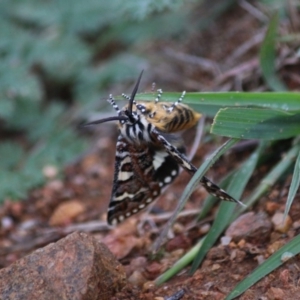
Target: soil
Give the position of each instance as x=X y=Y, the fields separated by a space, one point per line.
x=78 y=200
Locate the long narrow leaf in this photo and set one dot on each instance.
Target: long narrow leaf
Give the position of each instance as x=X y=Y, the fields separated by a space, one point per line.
x=193 y=183
x=270 y=179
x=256 y=123
x=209 y=103
x=236 y=188
x=190 y=255
x=294 y=186
x=180 y=264
x=273 y=262
x=268 y=57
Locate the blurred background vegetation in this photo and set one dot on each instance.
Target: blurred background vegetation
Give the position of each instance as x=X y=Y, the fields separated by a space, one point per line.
x=60 y=59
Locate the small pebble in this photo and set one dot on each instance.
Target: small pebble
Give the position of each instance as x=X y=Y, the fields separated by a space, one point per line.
x=280 y=223
x=286 y=256
x=6 y=222
x=50 y=171
x=275 y=247
x=260 y=259
x=215 y=267
x=55 y=185
x=204 y=228
x=271 y=207
x=65 y=212
x=147 y=286
x=225 y=240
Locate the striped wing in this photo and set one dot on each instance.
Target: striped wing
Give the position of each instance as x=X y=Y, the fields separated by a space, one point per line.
x=140 y=174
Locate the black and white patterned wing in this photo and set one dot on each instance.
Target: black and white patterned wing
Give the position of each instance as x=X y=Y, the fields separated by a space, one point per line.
x=140 y=174
x=166 y=169
x=182 y=160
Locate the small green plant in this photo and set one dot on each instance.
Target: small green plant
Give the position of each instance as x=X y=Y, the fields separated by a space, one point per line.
x=269 y=116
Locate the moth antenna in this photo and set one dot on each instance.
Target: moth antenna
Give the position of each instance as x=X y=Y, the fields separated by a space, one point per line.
x=128 y=98
x=112 y=102
x=116 y=118
x=131 y=100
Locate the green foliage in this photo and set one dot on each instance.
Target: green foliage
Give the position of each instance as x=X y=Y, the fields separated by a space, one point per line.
x=257 y=123
x=190 y=188
x=50 y=143
x=58 y=57
x=264 y=116
x=288 y=251
x=268 y=57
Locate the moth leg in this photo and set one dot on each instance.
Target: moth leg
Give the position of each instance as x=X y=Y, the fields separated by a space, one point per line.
x=182 y=160
x=174 y=152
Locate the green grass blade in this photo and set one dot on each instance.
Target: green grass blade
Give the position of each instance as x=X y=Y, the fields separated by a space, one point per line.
x=209 y=103
x=270 y=179
x=294 y=186
x=180 y=264
x=273 y=262
x=193 y=183
x=256 y=123
x=236 y=188
x=190 y=255
x=267 y=57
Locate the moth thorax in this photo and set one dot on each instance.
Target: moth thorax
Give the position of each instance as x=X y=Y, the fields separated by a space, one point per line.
x=138 y=132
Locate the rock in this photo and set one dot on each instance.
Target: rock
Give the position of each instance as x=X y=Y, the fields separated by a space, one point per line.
x=254 y=228
x=76 y=267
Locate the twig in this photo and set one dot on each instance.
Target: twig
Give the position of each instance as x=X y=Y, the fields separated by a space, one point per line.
x=204 y=63
x=253 y=11
x=166 y=216
x=243 y=67
x=87 y=227
x=245 y=47
x=244 y=145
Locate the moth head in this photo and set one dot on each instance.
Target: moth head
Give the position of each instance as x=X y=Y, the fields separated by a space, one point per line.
x=125 y=116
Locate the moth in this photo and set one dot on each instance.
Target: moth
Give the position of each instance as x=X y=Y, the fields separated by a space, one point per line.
x=148 y=154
